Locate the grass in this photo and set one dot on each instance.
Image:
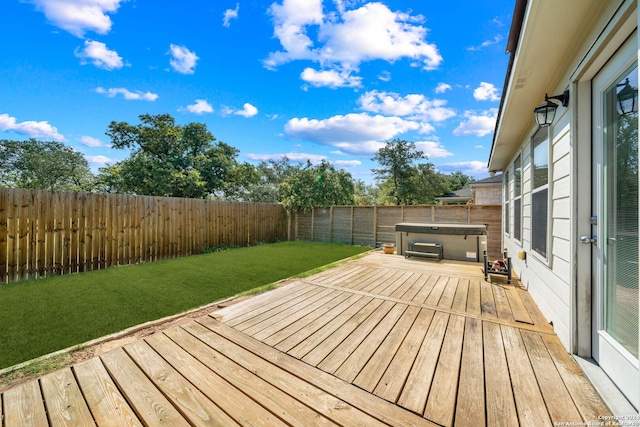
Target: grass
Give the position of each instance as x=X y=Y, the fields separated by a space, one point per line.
x=45 y=315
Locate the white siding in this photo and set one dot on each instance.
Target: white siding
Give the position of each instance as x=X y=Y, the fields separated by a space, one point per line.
x=548 y=280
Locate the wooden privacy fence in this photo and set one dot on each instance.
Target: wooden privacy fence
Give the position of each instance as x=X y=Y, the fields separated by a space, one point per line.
x=374 y=225
x=44 y=233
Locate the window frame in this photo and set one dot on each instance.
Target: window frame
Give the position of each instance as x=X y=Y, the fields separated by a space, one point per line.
x=517 y=198
x=507 y=212
x=540 y=191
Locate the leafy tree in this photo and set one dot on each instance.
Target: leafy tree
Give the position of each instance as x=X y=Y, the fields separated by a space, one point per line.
x=168 y=159
x=43 y=165
x=270 y=176
x=366 y=194
x=430 y=184
x=242 y=182
x=396 y=159
x=457 y=180
x=320 y=185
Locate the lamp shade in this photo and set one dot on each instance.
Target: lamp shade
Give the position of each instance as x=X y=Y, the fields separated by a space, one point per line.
x=627 y=99
x=545 y=113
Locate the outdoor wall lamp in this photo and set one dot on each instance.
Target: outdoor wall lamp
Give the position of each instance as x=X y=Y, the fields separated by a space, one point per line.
x=546 y=112
x=627 y=99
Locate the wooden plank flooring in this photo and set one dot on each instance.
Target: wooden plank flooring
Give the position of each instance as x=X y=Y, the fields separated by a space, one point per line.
x=376 y=341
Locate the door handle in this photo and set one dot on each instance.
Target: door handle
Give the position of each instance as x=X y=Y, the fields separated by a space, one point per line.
x=587 y=240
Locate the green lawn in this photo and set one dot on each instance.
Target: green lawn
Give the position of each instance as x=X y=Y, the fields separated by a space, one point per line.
x=38 y=317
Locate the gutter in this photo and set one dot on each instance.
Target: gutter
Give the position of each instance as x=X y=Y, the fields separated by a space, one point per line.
x=512 y=46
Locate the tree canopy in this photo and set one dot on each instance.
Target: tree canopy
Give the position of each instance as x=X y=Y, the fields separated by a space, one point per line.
x=402 y=182
x=396 y=159
x=168 y=159
x=320 y=185
x=43 y=165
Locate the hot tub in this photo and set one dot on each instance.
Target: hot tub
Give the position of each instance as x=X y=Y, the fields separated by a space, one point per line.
x=461 y=242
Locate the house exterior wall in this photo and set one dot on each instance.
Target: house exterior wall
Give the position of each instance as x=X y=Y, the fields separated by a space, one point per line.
x=547 y=279
x=488 y=196
x=569 y=283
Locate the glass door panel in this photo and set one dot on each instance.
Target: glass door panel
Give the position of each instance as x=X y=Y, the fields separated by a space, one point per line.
x=620 y=242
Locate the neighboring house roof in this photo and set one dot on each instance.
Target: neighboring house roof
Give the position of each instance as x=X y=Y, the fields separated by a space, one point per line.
x=462 y=195
x=546 y=35
x=492 y=181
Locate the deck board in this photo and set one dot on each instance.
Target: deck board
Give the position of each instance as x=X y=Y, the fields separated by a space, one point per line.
x=353 y=364
x=376 y=366
x=376 y=341
x=193 y=403
x=471 y=391
x=349 y=339
x=183 y=349
x=105 y=401
x=24 y=407
x=500 y=405
x=65 y=404
x=327 y=329
x=416 y=388
x=151 y=406
x=442 y=397
x=532 y=410
x=392 y=382
x=376 y=409
x=557 y=399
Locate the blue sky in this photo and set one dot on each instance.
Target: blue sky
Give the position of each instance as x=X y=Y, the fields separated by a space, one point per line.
x=309 y=79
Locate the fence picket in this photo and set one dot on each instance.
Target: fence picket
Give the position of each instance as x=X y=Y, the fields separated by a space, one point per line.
x=374 y=225
x=45 y=233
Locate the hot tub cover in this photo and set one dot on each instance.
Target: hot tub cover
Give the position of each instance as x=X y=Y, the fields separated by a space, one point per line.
x=443 y=228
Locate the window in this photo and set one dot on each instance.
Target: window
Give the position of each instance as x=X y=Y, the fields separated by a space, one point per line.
x=540 y=191
x=507 y=195
x=517 y=198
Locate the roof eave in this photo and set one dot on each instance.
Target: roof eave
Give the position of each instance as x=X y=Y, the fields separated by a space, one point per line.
x=546 y=47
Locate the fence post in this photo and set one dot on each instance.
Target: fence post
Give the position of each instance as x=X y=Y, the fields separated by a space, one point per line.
x=375 y=226
x=352 y=215
x=313 y=217
x=331 y=224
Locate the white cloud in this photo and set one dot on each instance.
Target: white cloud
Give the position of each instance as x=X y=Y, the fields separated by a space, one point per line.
x=497 y=39
x=98 y=160
x=442 y=88
x=127 y=94
x=90 y=141
x=293 y=157
x=182 y=59
x=433 y=149
x=330 y=78
x=230 y=14
x=290 y=20
x=375 y=32
x=350 y=37
x=79 y=16
x=99 y=55
x=414 y=106
x=346 y=163
x=478 y=125
x=385 y=76
x=30 y=128
x=248 y=110
x=475 y=168
x=486 y=92
x=201 y=106
x=351 y=133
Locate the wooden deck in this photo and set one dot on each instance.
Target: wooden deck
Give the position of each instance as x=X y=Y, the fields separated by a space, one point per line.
x=377 y=341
